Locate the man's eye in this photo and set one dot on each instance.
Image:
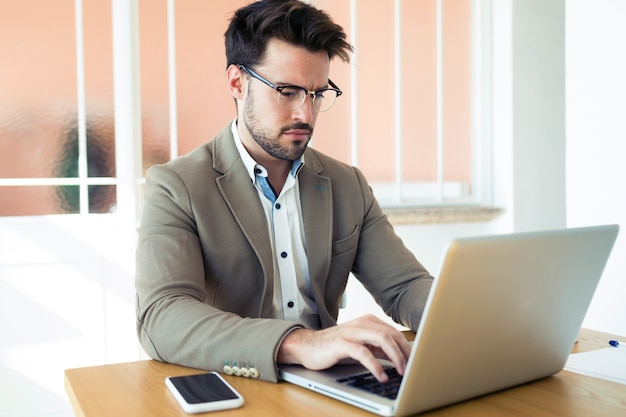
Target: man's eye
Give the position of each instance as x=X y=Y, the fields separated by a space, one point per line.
x=290 y=93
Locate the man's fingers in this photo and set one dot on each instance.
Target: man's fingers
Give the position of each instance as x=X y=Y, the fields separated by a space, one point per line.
x=365 y=356
x=388 y=344
x=383 y=342
x=364 y=339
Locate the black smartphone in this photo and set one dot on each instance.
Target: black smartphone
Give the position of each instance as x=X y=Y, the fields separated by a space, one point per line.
x=203 y=392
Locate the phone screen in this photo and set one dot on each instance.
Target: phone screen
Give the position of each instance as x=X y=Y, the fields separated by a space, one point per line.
x=203 y=388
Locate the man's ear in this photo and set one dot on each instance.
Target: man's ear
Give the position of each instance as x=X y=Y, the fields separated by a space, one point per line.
x=235 y=81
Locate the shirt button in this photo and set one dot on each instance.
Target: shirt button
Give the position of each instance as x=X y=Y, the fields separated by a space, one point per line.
x=290 y=304
x=283 y=254
x=277 y=205
x=257 y=171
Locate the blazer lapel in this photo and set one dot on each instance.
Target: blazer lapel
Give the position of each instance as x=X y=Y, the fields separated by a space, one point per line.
x=317 y=213
x=239 y=193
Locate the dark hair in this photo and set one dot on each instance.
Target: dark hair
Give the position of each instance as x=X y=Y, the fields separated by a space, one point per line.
x=292 y=21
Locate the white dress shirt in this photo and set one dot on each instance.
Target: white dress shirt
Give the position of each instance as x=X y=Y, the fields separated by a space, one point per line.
x=292 y=299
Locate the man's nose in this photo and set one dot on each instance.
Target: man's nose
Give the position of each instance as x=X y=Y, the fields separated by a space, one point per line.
x=306 y=112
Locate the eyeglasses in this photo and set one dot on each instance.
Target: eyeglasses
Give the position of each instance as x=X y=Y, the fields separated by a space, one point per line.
x=291 y=97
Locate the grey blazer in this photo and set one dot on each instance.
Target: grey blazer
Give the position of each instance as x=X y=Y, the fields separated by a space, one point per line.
x=204 y=276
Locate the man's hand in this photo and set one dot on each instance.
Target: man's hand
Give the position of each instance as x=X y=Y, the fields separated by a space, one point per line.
x=363 y=339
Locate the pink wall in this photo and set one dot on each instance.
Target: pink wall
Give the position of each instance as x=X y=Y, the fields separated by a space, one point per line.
x=205 y=106
x=38 y=100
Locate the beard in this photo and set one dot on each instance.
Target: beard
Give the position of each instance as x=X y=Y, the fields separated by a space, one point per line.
x=269 y=140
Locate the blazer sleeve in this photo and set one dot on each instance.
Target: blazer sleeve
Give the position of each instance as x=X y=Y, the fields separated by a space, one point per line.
x=386 y=267
x=177 y=322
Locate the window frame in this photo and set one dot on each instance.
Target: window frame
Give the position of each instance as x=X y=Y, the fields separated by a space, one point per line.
x=400 y=193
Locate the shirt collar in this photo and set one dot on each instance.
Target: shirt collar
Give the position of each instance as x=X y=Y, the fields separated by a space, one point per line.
x=251 y=164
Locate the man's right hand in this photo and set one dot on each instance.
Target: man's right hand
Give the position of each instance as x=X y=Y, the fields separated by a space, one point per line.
x=364 y=340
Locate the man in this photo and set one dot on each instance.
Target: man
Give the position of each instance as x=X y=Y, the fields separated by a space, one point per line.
x=246 y=243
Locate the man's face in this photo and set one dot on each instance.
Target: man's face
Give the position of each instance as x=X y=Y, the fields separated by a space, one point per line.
x=270 y=131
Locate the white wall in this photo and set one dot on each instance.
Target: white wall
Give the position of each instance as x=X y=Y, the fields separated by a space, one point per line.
x=66 y=301
x=596 y=140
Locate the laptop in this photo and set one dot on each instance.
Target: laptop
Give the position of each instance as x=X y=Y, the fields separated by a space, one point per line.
x=504 y=310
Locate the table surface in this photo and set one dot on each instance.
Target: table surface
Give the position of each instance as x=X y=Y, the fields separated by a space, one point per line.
x=138 y=389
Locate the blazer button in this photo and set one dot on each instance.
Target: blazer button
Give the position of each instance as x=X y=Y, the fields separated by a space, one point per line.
x=236 y=369
x=228 y=370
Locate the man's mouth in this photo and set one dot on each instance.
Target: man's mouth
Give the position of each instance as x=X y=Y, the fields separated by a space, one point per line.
x=299 y=132
x=298 y=135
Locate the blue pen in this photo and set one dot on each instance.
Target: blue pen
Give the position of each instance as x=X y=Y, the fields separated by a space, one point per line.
x=616 y=343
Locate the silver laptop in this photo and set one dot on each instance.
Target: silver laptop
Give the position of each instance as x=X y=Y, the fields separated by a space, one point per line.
x=504 y=310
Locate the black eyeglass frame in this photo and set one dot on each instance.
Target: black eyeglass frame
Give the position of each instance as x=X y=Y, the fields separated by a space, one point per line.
x=280 y=88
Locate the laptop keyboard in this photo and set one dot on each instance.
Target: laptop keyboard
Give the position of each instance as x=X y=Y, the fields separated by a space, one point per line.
x=368 y=382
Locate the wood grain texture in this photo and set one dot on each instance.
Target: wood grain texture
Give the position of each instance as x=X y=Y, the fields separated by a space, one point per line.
x=138 y=389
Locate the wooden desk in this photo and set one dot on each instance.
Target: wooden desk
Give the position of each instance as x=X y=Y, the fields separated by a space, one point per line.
x=138 y=389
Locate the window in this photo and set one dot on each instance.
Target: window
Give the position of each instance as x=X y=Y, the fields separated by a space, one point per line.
x=413 y=115
x=57 y=152
x=417 y=98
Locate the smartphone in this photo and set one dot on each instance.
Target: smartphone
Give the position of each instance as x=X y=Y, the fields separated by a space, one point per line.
x=203 y=392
